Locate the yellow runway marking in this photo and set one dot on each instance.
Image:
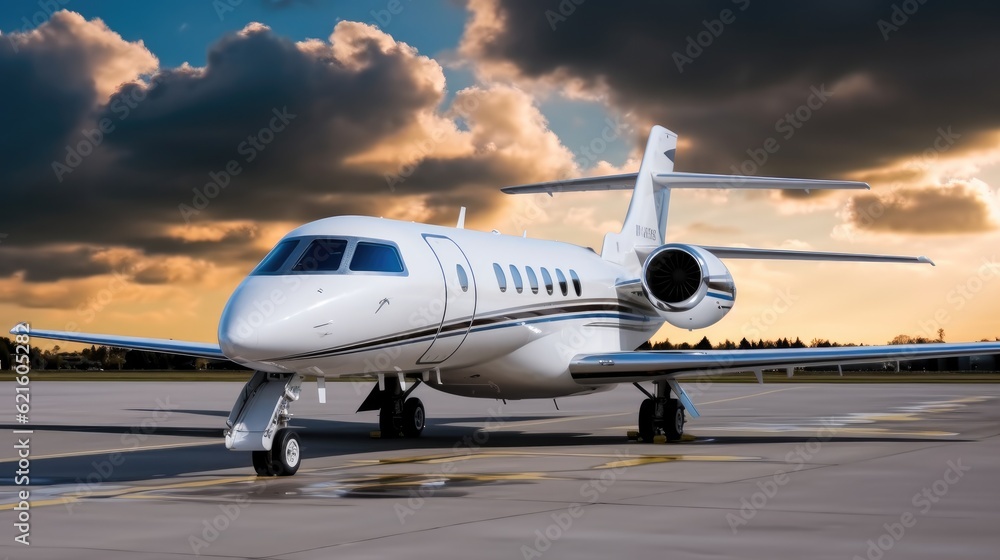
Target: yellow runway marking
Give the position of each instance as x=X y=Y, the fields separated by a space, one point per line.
x=451 y=457
x=834 y=429
x=653 y=459
x=130 y=491
x=550 y=421
x=109 y=451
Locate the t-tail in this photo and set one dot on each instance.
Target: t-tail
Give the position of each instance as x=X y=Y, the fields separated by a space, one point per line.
x=645 y=223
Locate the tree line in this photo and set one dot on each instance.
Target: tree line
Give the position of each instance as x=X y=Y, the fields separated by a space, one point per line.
x=109 y=358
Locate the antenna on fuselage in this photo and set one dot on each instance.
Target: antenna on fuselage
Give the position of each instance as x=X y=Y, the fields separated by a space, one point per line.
x=461 y=219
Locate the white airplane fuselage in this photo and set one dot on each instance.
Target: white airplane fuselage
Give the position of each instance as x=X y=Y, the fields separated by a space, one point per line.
x=445 y=313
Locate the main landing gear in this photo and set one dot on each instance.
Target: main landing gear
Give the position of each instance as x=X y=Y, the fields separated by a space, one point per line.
x=398 y=415
x=259 y=423
x=660 y=414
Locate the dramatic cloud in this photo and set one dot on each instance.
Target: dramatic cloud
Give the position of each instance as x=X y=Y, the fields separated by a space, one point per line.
x=836 y=89
x=194 y=162
x=54 y=77
x=953 y=208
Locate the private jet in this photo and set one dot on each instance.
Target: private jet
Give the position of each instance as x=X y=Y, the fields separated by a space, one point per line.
x=487 y=315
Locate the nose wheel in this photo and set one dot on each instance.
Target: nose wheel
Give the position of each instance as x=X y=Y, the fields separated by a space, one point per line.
x=282 y=459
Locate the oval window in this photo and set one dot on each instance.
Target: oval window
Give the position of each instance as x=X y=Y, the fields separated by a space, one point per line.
x=501 y=279
x=463 y=278
x=532 y=279
x=518 y=284
x=577 y=287
x=563 y=287
x=547 y=278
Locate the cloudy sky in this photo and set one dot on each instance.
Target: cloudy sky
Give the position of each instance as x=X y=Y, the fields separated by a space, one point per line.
x=133 y=201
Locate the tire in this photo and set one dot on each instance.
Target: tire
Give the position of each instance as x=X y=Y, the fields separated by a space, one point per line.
x=286 y=453
x=262 y=463
x=387 y=424
x=673 y=420
x=414 y=417
x=647 y=426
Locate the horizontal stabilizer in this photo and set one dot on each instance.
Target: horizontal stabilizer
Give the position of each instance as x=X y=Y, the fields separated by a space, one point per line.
x=624 y=182
x=674 y=180
x=782 y=255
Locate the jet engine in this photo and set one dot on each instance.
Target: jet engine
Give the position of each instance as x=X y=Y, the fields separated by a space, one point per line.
x=688 y=285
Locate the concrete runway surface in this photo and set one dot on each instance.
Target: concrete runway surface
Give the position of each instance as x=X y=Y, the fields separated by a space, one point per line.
x=139 y=471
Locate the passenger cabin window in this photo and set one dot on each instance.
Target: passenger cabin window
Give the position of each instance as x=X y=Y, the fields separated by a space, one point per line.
x=516 y=275
x=577 y=287
x=322 y=255
x=501 y=279
x=276 y=258
x=547 y=278
x=376 y=257
x=463 y=278
x=563 y=287
x=532 y=279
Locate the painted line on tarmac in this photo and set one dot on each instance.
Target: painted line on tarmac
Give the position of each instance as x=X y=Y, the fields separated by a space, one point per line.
x=515 y=425
x=128 y=492
x=753 y=395
x=110 y=451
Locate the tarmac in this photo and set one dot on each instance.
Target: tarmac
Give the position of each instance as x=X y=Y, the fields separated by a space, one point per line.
x=138 y=470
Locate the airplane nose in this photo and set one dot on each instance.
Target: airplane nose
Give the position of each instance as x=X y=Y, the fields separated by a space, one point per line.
x=244 y=326
x=236 y=338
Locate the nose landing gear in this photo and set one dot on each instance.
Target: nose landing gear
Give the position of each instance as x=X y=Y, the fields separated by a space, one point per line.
x=259 y=423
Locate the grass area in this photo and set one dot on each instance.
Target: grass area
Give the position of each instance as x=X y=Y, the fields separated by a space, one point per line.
x=769 y=377
x=865 y=377
x=141 y=375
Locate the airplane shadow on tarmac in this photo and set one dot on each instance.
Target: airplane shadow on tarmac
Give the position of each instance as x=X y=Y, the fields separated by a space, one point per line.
x=117 y=462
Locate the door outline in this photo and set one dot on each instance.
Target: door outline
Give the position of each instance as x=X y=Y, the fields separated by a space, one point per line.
x=445 y=278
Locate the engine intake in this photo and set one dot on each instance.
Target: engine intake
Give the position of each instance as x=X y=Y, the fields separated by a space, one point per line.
x=690 y=286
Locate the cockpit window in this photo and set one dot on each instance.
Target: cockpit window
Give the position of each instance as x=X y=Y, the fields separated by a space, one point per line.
x=322 y=255
x=376 y=257
x=276 y=258
x=332 y=255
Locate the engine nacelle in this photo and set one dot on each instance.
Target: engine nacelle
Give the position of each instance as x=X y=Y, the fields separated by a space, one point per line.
x=689 y=286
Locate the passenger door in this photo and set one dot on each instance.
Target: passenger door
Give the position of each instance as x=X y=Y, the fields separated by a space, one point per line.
x=459 y=299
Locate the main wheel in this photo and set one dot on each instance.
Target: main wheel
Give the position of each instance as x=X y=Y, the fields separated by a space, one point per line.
x=647 y=424
x=673 y=420
x=286 y=453
x=413 y=418
x=387 y=424
x=262 y=463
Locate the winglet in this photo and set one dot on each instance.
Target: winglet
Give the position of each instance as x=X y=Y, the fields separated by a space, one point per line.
x=926 y=260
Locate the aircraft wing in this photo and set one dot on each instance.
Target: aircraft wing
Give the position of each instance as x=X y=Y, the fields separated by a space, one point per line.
x=196 y=349
x=631 y=367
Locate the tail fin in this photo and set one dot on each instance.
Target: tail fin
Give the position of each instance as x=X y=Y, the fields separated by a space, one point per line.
x=646 y=219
